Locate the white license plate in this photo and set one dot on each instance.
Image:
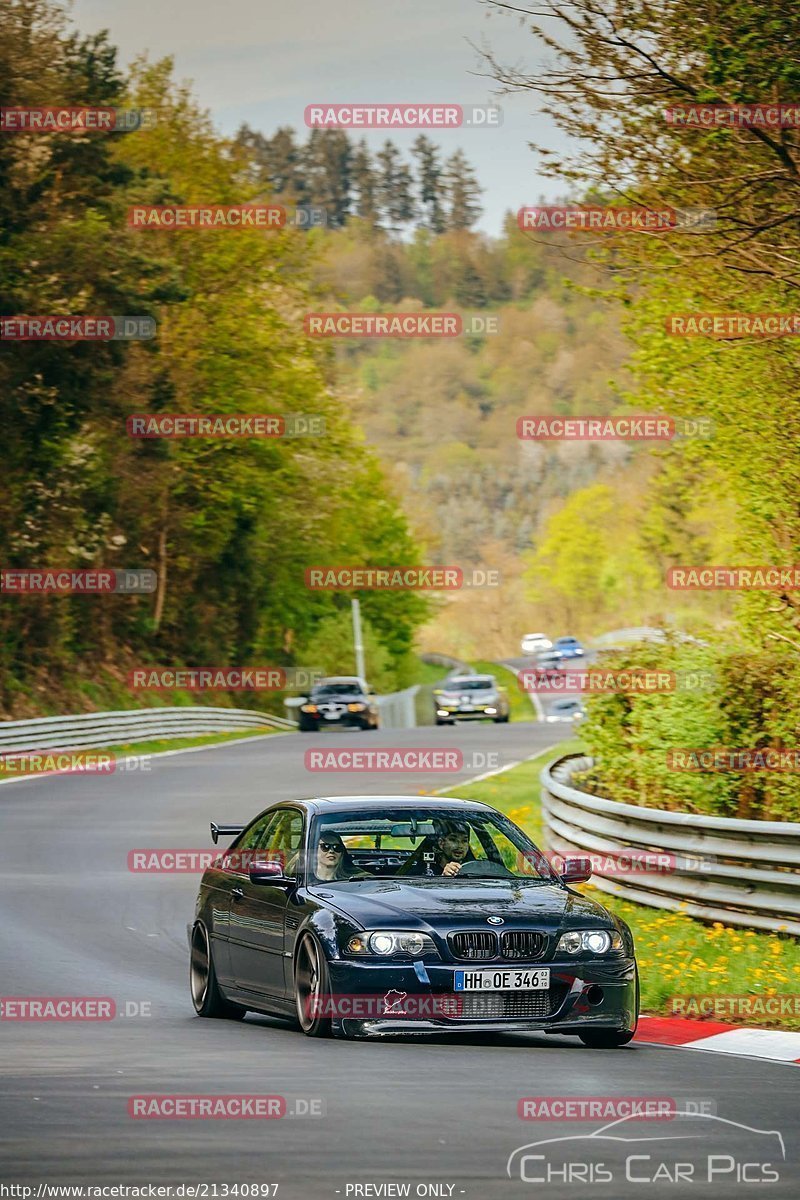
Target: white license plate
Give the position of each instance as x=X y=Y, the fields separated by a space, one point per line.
x=466 y=708
x=537 y=979
x=331 y=716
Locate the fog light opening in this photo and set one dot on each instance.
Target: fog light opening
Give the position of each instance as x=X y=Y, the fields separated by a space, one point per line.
x=594 y=995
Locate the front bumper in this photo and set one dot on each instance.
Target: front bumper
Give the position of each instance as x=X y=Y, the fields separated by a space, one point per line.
x=343 y=719
x=456 y=714
x=592 y=994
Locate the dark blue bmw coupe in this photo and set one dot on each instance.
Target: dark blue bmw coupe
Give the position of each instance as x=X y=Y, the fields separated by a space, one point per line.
x=367 y=916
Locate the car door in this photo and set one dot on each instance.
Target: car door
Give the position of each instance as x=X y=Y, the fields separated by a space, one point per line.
x=258 y=910
x=222 y=879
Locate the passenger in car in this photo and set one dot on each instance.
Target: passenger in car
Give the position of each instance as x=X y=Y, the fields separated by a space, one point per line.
x=333 y=862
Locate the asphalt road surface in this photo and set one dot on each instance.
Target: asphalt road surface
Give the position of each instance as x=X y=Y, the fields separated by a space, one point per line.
x=439 y=1118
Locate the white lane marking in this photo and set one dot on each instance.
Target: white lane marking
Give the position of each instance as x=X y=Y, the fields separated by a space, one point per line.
x=259 y=737
x=497 y=770
x=779 y=1044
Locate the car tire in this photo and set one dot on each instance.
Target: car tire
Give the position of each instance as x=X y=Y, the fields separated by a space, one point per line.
x=308 y=726
x=501 y=720
x=207 y=998
x=311 y=979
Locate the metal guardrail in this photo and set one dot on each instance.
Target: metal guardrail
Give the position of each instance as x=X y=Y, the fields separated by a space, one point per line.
x=133 y=725
x=398 y=710
x=721 y=869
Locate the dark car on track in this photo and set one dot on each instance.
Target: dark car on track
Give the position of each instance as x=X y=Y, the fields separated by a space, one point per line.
x=369 y=916
x=471 y=697
x=339 y=700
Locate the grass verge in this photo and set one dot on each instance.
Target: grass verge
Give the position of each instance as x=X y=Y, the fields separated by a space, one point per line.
x=678 y=955
x=519 y=701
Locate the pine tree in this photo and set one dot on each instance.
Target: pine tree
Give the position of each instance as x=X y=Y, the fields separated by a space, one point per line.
x=273 y=163
x=395 y=187
x=327 y=162
x=429 y=184
x=463 y=192
x=365 y=183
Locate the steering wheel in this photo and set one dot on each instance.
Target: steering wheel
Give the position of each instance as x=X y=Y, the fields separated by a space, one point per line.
x=484 y=867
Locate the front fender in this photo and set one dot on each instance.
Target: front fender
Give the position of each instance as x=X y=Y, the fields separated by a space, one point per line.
x=328 y=927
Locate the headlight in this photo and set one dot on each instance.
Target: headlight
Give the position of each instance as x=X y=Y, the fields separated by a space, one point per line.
x=356 y=707
x=388 y=943
x=309 y=708
x=590 y=941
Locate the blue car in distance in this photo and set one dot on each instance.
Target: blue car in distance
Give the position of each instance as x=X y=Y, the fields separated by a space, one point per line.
x=567 y=647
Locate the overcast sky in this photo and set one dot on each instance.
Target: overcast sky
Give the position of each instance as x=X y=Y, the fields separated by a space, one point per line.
x=262 y=62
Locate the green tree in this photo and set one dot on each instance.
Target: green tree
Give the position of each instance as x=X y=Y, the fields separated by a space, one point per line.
x=429 y=184
x=365 y=184
x=463 y=192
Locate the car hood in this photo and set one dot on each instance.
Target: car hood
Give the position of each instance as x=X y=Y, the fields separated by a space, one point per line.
x=457 y=904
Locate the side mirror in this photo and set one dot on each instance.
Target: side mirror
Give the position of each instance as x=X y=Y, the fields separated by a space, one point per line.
x=262 y=871
x=576 y=870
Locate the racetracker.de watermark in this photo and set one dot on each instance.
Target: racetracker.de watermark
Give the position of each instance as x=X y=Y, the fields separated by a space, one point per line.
x=67 y=582
x=590 y=218
x=394 y=1003
x=50 y=119
x=58 y=762
x=224 y=425
x=183 y=860
x=619 y=862
x=734 y=1005
x=633 y=681
x=411 y=758
x=598 y=1108
x=733 y=325
x=758 y=578
x=400 y=324
x=644 y=428
x=755 y=115
x=173 y=217
x=392 y=115
x=71 y=1008
x=725 y=758
x=206 y=1107
x=398 y=579
x=229 y=679
x=60 y=328
x=57 y=1008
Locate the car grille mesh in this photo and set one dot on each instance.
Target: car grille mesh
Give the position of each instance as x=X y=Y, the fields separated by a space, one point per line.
x=488 y=1006
x=523 y=943
x=473 y=944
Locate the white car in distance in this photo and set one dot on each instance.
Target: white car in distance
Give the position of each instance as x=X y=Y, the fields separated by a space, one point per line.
x=532 y=643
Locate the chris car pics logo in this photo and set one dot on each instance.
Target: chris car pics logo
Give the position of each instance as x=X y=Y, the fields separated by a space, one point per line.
x=694 y=1147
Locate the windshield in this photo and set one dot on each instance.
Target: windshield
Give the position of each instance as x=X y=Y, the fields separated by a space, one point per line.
x=337 y=689
x=470 y=685
x=423 y=843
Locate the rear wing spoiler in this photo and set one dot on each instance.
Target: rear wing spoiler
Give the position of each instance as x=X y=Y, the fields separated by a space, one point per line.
x=218 y=831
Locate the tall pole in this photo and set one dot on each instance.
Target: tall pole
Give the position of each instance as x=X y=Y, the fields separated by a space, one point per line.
x=358 y=640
